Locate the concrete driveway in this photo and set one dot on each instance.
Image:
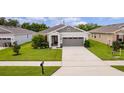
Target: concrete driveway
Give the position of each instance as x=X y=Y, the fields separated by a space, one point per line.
x=78 y=61
x=80 y=56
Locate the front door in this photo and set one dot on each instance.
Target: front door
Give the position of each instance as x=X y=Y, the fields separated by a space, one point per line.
x=55 y=40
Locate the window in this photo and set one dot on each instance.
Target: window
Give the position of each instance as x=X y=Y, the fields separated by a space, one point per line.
x=70 y=38
x=80 y=37
x=75 y=38
x=64 y=38
x=4 y=38
x=8 y=38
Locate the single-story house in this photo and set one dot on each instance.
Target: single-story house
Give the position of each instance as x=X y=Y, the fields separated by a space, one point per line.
x=63 y=35
x=108 y=34
x=9 y=34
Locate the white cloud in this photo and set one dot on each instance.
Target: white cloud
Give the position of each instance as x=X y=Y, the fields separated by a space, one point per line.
x=73 y=21
x=70 y=19
x=116 y=17
x=66 y=20
x=80 y=22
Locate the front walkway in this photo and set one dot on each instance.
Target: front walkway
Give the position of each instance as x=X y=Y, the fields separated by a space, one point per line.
x=78 y=61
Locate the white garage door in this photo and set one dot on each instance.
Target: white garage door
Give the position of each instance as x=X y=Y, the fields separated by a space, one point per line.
x=5 y=42
x=73 y=41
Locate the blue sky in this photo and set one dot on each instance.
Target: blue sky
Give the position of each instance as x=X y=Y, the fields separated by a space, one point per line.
x=51 y=21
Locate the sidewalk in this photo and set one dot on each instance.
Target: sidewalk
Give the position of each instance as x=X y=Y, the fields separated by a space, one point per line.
x=121 y=63
x=30 y=63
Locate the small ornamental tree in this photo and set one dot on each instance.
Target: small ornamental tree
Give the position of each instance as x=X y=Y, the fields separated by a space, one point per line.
x=116 y=46
x=87 y=43
x=16 y=48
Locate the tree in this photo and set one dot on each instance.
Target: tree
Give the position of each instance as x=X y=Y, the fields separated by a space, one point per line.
x=12 y=22
x=8 y=22
x=39 y=41
x=87 y=27
x=16 y=48
x=34 y=26
x=115 y=45
x=26 y=26
x=43 y=27
x=87 y=43
x=2 y=20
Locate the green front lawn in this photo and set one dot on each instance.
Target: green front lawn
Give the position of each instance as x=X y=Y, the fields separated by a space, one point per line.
x=103 y=51
x=121 y=68
x=27 y=53
x=26 y=70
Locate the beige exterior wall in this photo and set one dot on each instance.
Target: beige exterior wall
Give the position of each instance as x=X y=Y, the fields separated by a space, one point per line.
x=104 y=38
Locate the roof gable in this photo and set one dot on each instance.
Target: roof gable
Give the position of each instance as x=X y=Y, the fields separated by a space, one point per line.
x=51 y=29
x=70 y=29
x=61 y=28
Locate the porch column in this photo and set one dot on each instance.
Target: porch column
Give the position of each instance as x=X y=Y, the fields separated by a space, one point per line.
x=84 y=40
x=58 y=40
x=50 y=40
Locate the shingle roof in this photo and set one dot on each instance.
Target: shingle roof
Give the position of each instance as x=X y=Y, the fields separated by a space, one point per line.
x=51 y=29
x=108 y=29
x=14 y=30
x=61 y=28
x=69 y=29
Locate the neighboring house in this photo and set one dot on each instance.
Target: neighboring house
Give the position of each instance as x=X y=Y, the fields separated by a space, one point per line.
x=9 y=34
x=62 y=35
x=108 y=34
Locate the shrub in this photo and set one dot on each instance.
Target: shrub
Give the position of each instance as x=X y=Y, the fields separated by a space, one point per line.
x=34 y=45
x=16 y=48
x=122 y=45
x=39 y=41
x=116 y=45
x=44 y=44
x=87 y=43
